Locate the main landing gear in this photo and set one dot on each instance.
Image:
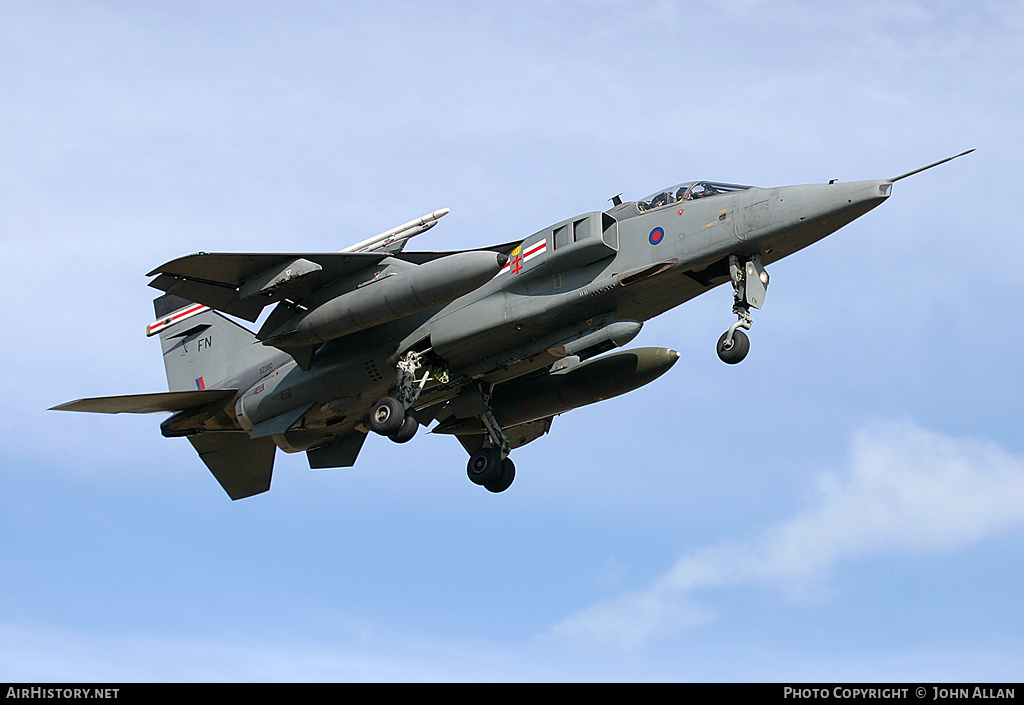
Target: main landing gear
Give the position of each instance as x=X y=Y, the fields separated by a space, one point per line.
x=390 y=416
x=486 y=467
x=490 y=466
x=749 y=285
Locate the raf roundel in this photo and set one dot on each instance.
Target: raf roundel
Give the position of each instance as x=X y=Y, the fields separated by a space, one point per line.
x=656 y=236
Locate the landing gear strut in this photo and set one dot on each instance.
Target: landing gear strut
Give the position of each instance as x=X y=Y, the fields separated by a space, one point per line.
x=749 y=285
x=390 y=416
x=490 y=466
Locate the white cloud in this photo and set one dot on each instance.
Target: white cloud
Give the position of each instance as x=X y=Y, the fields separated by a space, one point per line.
x=905 y=489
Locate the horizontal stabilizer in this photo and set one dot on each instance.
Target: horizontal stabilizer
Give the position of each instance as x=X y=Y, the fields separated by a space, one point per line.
x=147 y=403
x=242 y=466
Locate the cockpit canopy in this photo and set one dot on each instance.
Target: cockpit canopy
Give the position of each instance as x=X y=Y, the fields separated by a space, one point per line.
x=687 y=191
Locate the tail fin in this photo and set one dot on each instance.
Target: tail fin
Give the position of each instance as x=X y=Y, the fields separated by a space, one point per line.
x=201 y=347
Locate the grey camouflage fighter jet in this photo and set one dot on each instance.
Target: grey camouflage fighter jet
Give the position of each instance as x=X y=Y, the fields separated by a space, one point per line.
x=491 y=344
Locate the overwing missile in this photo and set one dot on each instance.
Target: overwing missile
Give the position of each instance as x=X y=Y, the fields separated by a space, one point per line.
x=400 y=233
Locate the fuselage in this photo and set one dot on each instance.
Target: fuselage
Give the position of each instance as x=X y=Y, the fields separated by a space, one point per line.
x=580 y=287
x=629 y=264
x=489 y=345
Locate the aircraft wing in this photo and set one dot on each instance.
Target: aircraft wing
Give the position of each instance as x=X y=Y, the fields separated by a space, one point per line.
x=242 y=284
x=147 y=403
x=235 y=268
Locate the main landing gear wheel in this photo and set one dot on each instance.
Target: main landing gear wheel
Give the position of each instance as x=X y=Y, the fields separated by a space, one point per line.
x=490 y=466
x=732 y=351
x=505 y=478
x=406 y=431
x=387 y=416
x=485 y=466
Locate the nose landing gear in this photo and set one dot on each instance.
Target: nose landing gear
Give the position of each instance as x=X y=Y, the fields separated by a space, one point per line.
x=749 y=286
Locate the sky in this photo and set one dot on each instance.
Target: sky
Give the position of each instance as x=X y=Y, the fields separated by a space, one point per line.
x=847 y=504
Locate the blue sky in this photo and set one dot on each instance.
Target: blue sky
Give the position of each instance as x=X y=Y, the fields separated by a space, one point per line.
x=846 y=504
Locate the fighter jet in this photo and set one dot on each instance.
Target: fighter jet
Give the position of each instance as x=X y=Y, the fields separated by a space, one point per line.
x=488 y=344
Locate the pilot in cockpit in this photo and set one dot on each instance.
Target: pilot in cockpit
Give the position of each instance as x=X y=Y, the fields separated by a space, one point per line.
x=705 y=190
x=662 y=199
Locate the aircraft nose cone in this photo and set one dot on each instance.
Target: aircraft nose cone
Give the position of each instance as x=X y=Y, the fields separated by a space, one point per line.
x=789 y=218
x=872 y=194
x=859 y=193
x=838 y=200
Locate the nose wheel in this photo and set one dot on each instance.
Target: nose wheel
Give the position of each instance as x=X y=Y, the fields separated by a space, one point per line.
x=733 y=349
x=749 y=286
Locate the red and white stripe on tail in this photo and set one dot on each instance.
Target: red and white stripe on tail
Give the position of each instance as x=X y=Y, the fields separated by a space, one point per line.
x=180 y=315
